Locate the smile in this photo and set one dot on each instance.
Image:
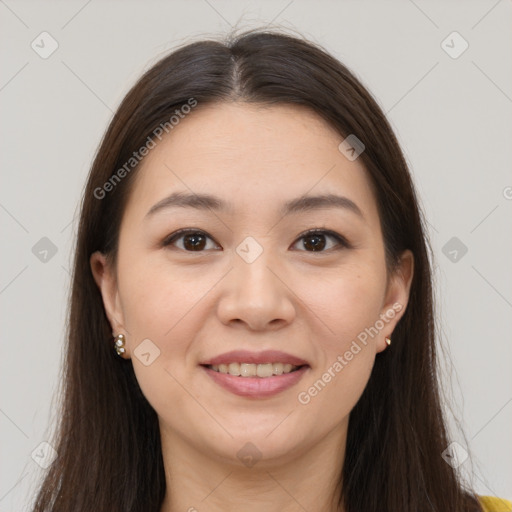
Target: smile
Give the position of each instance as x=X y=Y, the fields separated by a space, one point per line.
x=256 y=380
x=254 y=370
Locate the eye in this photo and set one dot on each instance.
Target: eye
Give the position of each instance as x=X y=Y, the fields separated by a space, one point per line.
x=193 y=240
x=315 y=240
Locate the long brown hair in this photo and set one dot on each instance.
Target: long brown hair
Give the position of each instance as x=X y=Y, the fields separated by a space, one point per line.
x=108 y=440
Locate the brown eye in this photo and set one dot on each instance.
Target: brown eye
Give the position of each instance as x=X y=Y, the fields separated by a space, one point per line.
x=312 y=241
x=315 y=241
x=192 y=240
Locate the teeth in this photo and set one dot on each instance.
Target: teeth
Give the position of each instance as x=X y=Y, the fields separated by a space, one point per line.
x=253 y=370
x=233 y=369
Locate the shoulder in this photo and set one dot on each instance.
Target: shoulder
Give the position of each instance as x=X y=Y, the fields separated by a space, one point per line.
x=492 y=504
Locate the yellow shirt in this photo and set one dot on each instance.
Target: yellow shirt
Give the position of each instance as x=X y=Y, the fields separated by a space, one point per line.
x=492 y=504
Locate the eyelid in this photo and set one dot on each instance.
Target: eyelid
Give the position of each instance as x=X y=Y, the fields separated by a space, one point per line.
x=327 y=232
x=342 y=241
x=177 y=234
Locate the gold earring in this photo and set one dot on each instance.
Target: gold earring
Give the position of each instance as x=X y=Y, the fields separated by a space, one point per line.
x=119 y=344
x=388 y=340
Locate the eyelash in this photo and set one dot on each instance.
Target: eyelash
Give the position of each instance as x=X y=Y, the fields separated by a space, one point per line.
x=342 y=241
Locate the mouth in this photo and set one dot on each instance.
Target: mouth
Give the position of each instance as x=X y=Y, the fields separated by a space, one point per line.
x=255 y=381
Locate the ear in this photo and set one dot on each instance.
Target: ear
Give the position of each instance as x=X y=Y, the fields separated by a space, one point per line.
x=105 y=277
x=397 y=297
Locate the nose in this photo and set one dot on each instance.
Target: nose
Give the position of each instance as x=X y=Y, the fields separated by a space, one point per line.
x=255 y=294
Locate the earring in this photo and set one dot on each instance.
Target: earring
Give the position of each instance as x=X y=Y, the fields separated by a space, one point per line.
x=119 y=344
x=388 y=340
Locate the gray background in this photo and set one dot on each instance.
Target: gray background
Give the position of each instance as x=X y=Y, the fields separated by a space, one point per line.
x=452 y=117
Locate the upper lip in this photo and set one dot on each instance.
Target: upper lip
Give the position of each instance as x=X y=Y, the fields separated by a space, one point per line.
x=266 y=356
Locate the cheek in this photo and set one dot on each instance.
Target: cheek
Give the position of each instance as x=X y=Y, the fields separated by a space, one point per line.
x=157 y=298
x=336 y=389
x=346 y=300
x=159 y=305
x=347 y=306
x=345 y=352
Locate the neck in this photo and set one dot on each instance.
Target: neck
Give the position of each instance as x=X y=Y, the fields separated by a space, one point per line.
x=309 y=479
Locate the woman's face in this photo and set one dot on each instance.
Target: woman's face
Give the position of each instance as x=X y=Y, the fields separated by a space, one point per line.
x=247 y=278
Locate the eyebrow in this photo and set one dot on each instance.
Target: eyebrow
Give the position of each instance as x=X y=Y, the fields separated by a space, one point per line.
x=210 y=202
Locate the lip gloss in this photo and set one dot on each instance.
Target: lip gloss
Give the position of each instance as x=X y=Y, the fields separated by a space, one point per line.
x=256 y=387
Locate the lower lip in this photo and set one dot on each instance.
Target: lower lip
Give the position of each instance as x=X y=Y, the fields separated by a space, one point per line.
x=256 y=387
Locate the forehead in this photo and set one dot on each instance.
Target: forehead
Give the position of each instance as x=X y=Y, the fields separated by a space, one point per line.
x=250 y=156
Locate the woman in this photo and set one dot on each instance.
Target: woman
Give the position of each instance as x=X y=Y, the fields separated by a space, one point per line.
x=251 y=322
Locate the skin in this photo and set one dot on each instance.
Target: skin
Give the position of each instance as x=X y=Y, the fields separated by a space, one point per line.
x=194 y=305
